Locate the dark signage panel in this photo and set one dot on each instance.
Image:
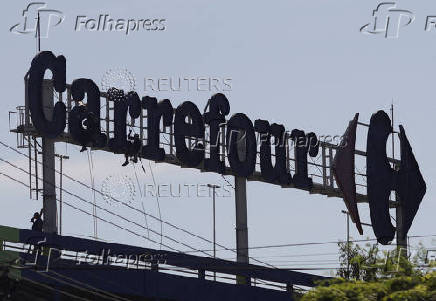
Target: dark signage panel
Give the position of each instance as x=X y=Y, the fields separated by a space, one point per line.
x=84 y=126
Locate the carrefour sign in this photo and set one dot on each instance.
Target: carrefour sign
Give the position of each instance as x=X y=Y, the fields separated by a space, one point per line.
x=190 y=122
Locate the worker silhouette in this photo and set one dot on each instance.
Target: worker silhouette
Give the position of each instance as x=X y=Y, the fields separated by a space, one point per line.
x=37 y=221
x=132 y=149
x=37 y=224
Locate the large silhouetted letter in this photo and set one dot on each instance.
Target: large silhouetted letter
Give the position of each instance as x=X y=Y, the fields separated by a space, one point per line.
x=382 y=179
x=155 y=111
x=219 y=107
x=276 y=173
x=304 y=145
x=183 y=129
x=43 y=61
x=88 y=114
x=241 y=142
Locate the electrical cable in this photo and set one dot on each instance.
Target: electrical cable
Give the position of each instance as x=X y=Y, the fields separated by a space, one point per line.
x=157 y=200
x=142 y=212
x=114 y=199
x=94 y=210
x=112 y=213
x=90 y=214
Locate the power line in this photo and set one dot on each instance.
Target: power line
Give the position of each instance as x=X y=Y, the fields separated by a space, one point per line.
x=319 y=243
x=118 y=201
x=90 y=214
x=135 y=209
x=157 y=200
x=297 y=244
x=112 y=213
x=104 y=209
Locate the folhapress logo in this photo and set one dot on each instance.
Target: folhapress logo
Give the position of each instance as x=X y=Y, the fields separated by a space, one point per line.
x=106 y=23
x=388 y=20
x=48 y=18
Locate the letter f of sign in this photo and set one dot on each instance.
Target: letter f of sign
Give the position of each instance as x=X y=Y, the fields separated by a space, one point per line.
x=407 y=181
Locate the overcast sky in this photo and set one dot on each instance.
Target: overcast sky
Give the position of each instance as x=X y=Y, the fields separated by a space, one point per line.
x=304 y=64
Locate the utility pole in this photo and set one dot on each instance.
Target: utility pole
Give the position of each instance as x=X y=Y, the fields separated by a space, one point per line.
x=61 y=158
x=348 y=242
x=401 y=237
x=241 y=212
x=48 y=165
x=38 y=33
x=213 y=186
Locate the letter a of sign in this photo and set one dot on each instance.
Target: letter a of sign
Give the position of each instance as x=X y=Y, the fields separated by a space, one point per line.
x=381 y=179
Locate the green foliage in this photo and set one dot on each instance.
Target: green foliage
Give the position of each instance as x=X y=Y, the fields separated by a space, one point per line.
x=368 y=263
x=403 y=288
x=373 y=275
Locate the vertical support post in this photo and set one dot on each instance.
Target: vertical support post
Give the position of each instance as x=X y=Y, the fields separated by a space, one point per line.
x=48 y=167
x=35 y=153
x=290 y=288
x=29 y=149
x=324 y=166
x=141 y=126
x=214 y=232
x=189 y=138
x=241 y=212
x=401 y=237
x=60 y=195
x=213 y=186
x=241 y=225
x=61 y=173
x=331 y=178
x=201 y=274
x=68 y=106
x=172 y=139
x=348 y=244
x=26 y=126
x=223 y=143
x=288 y=156
x=26 y=102
x=108 y=117
x=38 y=31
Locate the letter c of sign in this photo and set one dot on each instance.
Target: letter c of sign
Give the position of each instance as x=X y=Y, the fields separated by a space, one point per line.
x=43 y=61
